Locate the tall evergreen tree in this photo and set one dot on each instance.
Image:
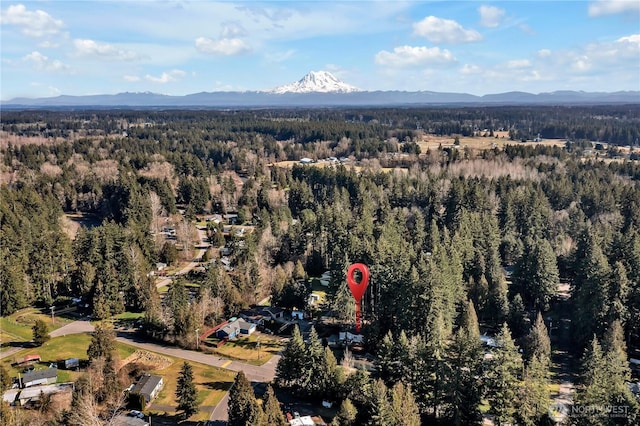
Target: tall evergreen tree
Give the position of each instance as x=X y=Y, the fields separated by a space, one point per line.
x=103 y=343
x=40 y=332
x=590 y=289
x=619 y=289
x=503 y=379
x=533 y=398
x=403 y=410
x=538 y=342
x=464 y=388
x=273 y=415
x=243 y=407
x=347 y=414
x=379 y=408
x=186 y=392
x=535 y=275
x=291 y=370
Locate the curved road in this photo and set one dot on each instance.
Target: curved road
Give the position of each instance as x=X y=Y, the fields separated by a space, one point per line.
x=255 y=373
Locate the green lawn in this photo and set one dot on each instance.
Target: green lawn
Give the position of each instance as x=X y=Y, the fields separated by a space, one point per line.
x=244 y=349
x=18 y=326
x=60 y=348
x=211 y=382
x=129 y=316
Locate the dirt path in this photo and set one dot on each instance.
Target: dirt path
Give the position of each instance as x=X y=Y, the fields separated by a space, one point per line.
x=202 y=234
x=562 y=359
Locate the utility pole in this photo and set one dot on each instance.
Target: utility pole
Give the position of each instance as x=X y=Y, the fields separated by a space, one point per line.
x=258 y=347
x=53 y=320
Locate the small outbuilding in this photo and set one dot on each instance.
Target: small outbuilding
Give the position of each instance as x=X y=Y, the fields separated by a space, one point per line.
x=71 y=363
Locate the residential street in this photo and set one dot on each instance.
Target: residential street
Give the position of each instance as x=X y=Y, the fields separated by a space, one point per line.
x=256 y=374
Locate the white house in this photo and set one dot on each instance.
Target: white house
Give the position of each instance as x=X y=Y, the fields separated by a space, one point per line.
x=148 y=386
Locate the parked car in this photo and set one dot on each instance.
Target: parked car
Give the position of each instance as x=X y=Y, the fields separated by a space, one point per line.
x=136 y=413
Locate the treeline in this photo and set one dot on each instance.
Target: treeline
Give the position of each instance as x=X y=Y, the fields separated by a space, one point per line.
x=618 y=125
x=493 y=232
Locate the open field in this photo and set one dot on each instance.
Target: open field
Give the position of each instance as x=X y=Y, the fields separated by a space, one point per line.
x=429 y=142
x=60 y=348
x=244 y=349
x=212 y=384
x=18 y=326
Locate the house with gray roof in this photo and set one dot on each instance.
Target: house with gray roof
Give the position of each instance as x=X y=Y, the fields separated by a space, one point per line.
x=39 y=377
x=148 y=386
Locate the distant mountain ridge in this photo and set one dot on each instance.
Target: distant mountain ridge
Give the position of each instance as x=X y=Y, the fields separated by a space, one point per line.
x=319 y=89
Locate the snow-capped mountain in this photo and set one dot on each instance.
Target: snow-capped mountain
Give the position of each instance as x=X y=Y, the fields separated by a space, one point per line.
x=316 y=82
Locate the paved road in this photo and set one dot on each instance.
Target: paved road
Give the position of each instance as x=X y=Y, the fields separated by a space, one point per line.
x=75 y=327
x=7 y=353
x=256 y=374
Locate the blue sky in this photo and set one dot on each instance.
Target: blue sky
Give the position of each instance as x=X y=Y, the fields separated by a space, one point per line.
x=180 y=47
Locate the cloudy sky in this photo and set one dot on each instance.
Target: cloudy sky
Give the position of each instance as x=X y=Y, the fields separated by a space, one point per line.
x=179 y=47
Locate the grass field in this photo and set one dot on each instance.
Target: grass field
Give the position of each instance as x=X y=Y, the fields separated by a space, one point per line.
x=18 y=326
x=60 y=348
x=244 y=349
x=211 y=382
x=430 y=142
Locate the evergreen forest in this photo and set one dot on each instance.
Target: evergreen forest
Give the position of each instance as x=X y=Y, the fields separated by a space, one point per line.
x=533 y=244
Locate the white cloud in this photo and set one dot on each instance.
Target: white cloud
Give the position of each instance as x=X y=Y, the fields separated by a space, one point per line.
x=48 y=44
x=612 y=7
x=43 y=63
x=635 y=38
x=469 y=69
x=409 y=56
x=279 y=56
x=166 y=77
x=518 y=64
x=33 y=23
x=581 y=64
x=438 y=30
x=490 y=16
x=225 y=46
x=131 y=78
x=86 y=47
x=527 y=29
x=543 y=53
x=232 y=30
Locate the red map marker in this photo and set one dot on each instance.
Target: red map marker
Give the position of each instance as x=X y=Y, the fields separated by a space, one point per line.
x=358 y=288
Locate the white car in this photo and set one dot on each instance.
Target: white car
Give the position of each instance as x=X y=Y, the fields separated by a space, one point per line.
x=136 y=413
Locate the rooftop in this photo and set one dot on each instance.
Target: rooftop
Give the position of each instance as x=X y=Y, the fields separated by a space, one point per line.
x=48 y=373
x=146 y=384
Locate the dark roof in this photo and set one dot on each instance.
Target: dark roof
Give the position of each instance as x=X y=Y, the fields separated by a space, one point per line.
x=31 y=376
x=245 y=325
x=274 y=310
x=146 y=384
